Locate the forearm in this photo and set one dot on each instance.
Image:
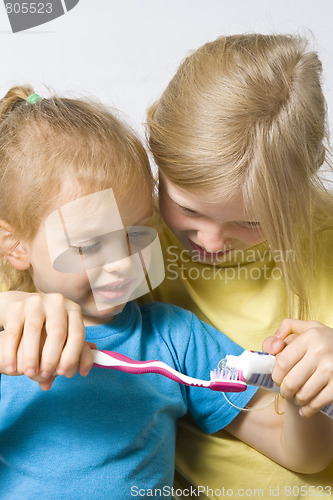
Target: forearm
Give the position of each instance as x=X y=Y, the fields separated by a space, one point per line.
x=306 y=443
x=300 y=444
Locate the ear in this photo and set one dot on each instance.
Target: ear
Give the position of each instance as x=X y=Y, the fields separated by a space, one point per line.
x=13 y=249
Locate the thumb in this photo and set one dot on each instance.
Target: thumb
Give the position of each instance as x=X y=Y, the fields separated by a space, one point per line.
x=47 y=384
x=289 y=326
x=92 y=345
x=273 y=345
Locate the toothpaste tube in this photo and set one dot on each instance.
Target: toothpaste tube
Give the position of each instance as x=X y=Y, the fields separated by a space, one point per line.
x=255 y=367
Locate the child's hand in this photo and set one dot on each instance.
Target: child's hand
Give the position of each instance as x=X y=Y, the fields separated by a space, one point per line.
x=304 y=368
x=43 y=335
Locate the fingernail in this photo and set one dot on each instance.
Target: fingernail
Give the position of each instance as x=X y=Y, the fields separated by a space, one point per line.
x=9 y=369
x=300 y=412
x=60 y=371
x=46 y=375
x=30 y=372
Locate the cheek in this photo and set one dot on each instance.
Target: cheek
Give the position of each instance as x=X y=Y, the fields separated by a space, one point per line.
x=167 y=211
x=175 y=219
x=72 y=286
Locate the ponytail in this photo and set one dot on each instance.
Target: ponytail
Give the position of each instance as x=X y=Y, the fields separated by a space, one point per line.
x=14 y=96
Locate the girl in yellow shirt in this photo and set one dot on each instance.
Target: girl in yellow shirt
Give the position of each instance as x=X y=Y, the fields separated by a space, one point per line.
x=239 y=137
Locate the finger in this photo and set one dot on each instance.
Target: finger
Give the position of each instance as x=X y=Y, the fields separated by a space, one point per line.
x=287 y=359
x=322 y=399
x=86 y=360
x=311 y=388
x=71 y=354
x=290 y=338
x=297 y=377
x=56 y=327
x=13 y=369
x=11 y=337
x=46 y=385
x=272 y=345
x=19 y=360
x=33 y=326
x=289 y=326
x=92 y=345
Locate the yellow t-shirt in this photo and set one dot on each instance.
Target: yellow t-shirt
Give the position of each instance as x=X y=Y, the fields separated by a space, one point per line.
x=246 y=299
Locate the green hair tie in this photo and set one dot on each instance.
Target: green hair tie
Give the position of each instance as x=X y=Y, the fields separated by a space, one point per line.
x=33 y=98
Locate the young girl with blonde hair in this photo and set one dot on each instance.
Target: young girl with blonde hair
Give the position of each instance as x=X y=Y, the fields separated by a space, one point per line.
x=75 y=181
x=239 y=137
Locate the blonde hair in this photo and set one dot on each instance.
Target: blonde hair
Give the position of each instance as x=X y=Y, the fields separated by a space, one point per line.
x=247 y=113
x=43 y=144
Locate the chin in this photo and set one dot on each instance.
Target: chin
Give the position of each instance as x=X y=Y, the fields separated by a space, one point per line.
x=108 y=313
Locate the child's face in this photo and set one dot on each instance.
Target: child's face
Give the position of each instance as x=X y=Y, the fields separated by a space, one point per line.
x=209 y=228
x=96 y=270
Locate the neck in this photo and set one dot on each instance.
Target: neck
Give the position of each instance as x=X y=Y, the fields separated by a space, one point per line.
x=96 y=321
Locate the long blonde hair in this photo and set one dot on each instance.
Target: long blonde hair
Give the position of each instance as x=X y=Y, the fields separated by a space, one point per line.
x=247 y=113
x=54 y=139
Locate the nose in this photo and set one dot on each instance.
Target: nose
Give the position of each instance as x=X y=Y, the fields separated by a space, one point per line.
x=115 y=257
x=214 y=237
x=120 y=267
x=118 y=259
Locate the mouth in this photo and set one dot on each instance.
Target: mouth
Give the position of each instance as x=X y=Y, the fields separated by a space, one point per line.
x=210 y=255
x=115 y=290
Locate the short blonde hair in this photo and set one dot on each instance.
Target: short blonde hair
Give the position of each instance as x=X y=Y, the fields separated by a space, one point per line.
x=44 y=143
x=247 y=113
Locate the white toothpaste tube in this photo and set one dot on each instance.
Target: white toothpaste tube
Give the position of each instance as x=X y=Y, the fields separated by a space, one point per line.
x=255 y=367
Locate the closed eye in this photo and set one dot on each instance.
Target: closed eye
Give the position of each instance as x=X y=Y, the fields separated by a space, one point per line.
x=250 y=224
x=87 y=249
x=138 y=233
x=186 y=210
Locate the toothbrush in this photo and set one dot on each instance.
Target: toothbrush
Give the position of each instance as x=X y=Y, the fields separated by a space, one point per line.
x=254 y=368
x=227 y=381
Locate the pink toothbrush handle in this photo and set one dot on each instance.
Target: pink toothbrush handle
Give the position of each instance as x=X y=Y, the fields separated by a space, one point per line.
x=115 y=361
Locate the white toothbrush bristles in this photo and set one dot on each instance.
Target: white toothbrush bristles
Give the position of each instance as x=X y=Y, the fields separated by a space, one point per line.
x=224 y=374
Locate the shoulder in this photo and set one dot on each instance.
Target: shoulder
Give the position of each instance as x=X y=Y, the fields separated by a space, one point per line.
x=181 y=328
x=172 y=327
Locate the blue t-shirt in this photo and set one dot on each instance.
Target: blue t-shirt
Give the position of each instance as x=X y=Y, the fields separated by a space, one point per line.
x=111 y=435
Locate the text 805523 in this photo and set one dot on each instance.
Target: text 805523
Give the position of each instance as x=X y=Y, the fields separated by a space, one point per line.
x=29 y=8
